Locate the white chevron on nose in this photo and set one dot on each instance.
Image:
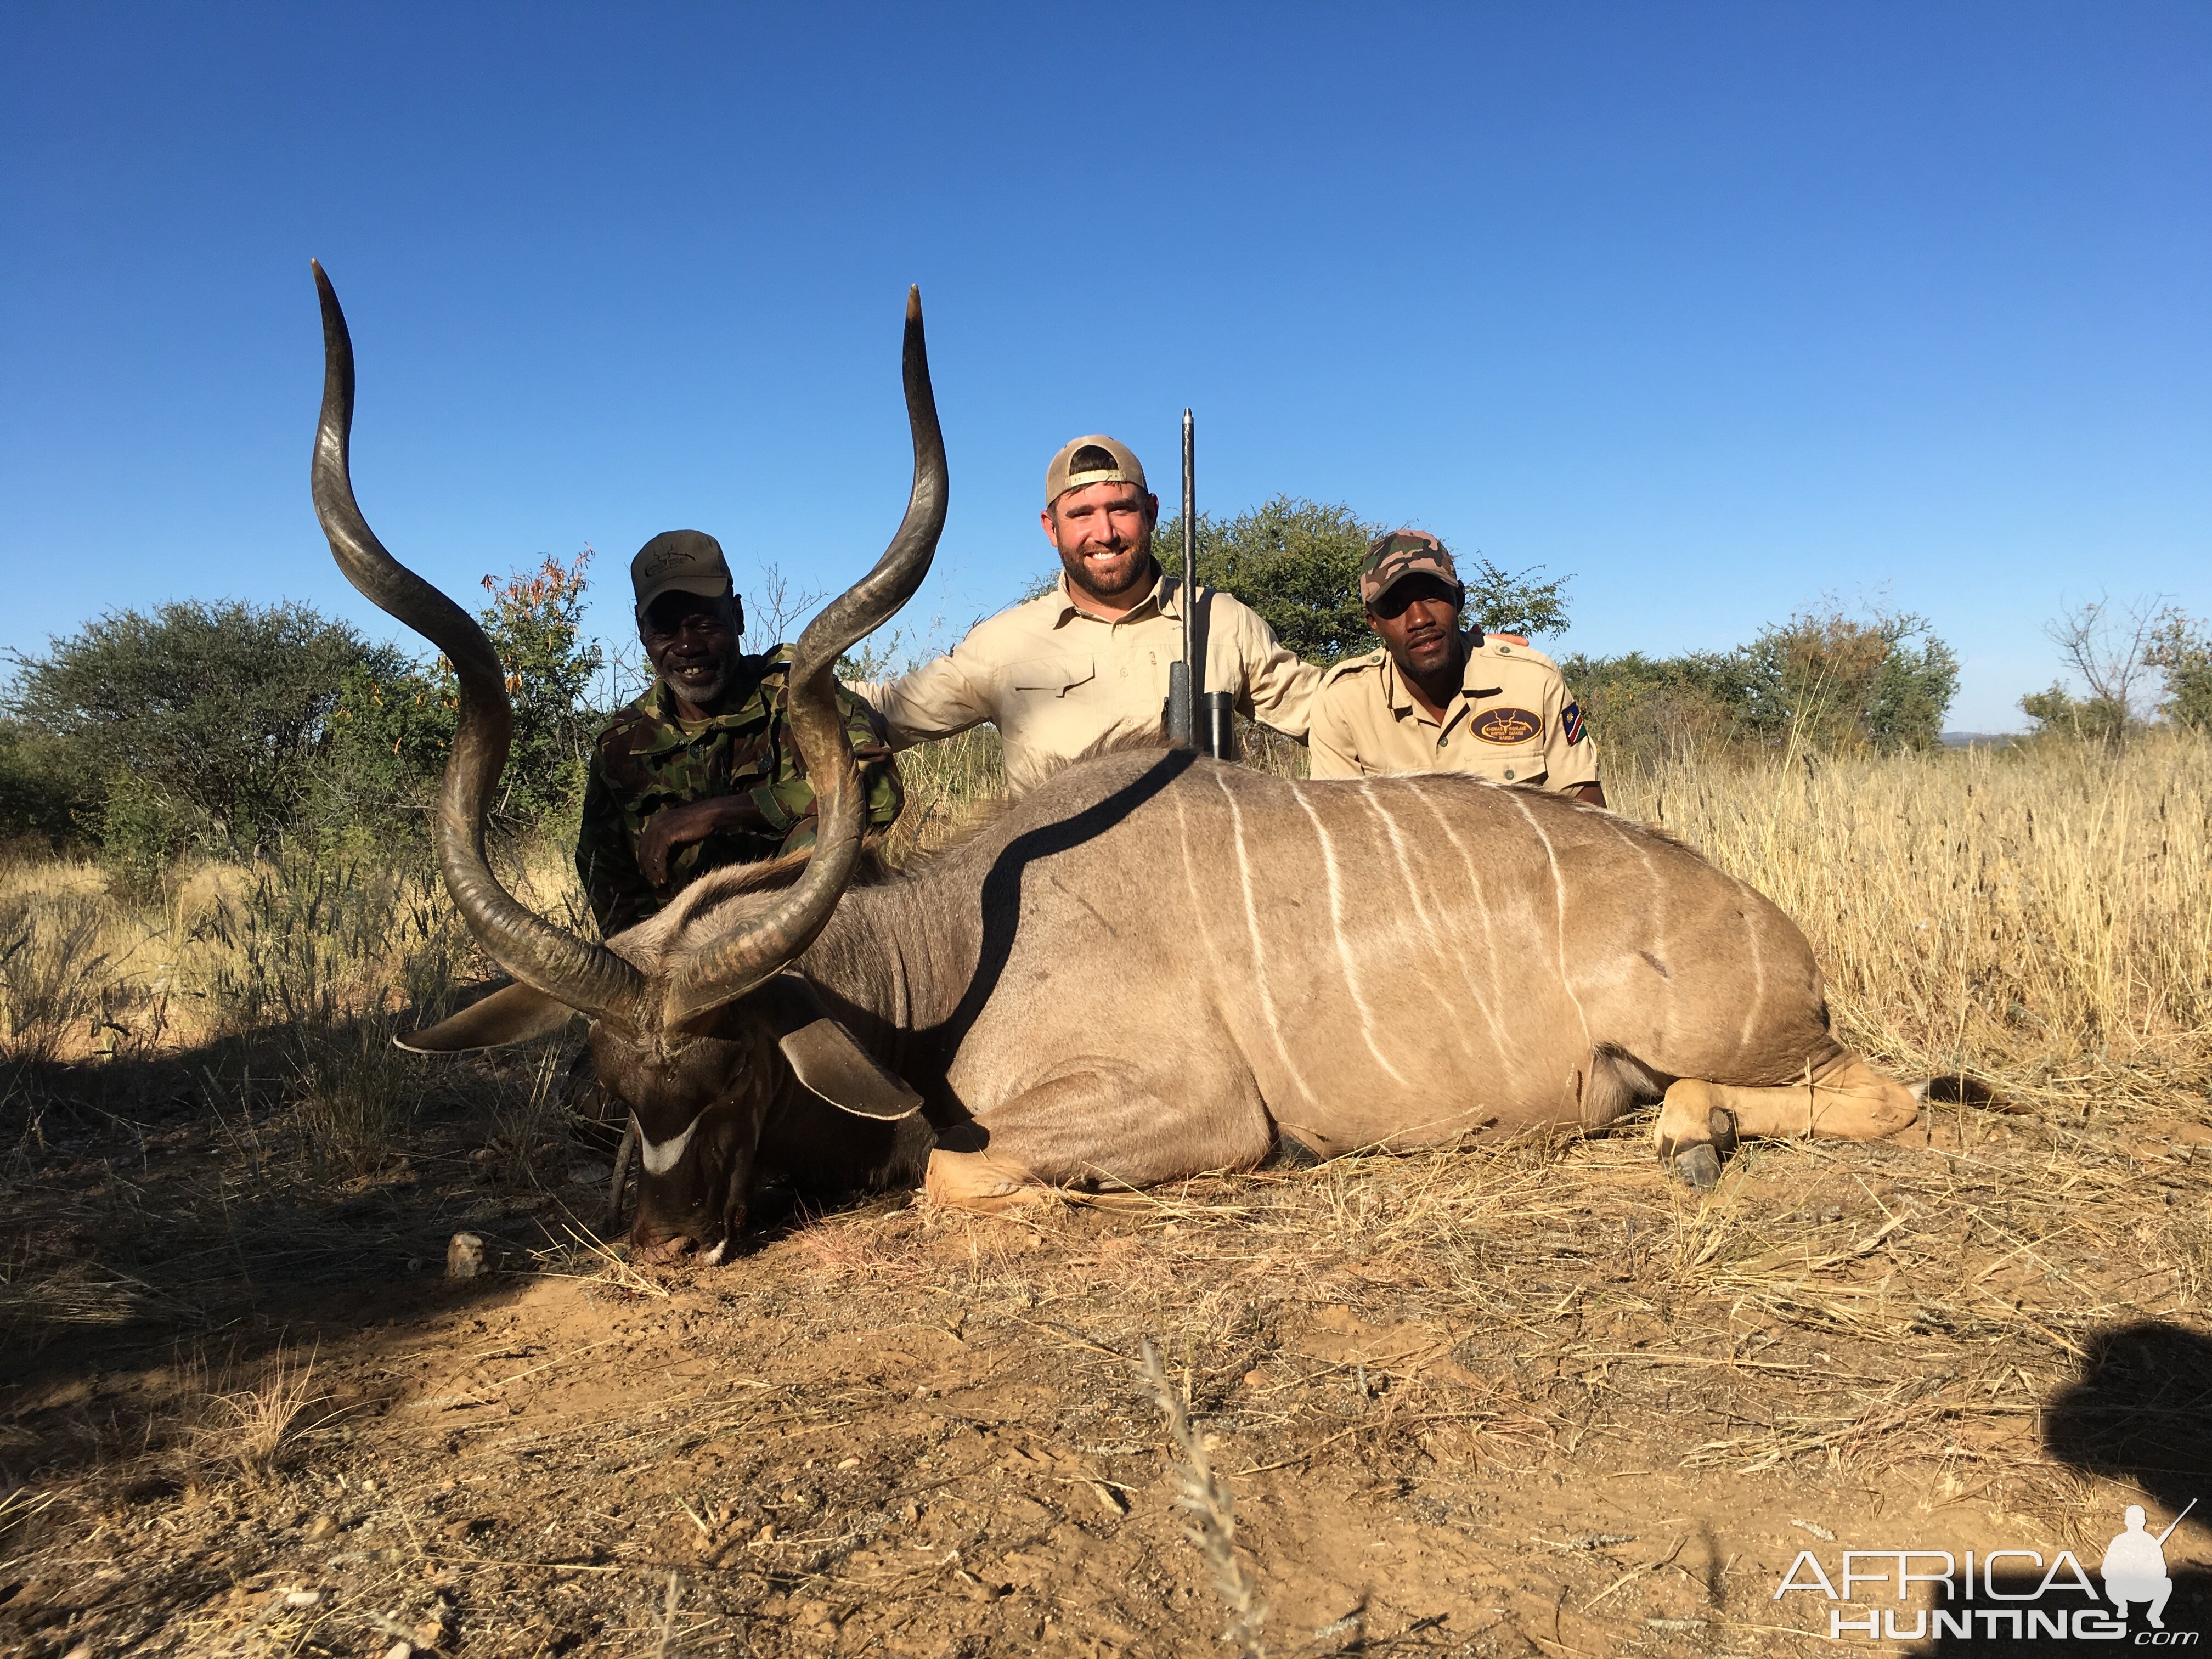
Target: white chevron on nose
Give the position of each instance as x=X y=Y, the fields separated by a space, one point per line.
x=662 y=1156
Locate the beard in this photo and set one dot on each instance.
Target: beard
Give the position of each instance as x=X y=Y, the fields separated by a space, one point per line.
x=1432 y=653
x=700 y=680
x=1135 y=575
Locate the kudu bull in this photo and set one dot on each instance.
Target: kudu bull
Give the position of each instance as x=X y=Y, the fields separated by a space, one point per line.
x=1153 y=965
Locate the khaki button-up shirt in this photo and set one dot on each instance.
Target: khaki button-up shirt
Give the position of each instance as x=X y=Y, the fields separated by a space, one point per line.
x=1058 y=681
x=1513 y=719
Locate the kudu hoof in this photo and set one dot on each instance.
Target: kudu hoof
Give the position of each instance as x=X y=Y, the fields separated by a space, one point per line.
x=1699 y=1166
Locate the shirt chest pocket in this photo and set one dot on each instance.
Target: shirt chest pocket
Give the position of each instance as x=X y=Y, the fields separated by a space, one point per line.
x=1048 y=676
x=1503 y=741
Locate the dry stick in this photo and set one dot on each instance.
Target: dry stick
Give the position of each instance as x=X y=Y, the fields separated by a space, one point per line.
x=1206 y=1496
x=666 y=1644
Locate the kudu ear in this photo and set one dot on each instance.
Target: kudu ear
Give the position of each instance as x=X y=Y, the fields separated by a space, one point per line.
x=827 y=1060
x=514 y=1015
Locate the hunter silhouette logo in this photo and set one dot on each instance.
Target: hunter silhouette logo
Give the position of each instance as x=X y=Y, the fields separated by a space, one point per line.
x=2133 y=1568
x=1507 y=726
x=2007 y=1595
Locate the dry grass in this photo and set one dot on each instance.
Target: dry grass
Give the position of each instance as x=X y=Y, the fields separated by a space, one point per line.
x=945 y=784
x=256 y=1427
x=53 y=971
x=1204 y=1498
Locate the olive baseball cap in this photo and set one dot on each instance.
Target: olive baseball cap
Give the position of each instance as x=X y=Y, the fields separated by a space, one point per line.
x=1402 y=553
x=1095 y=460
x=680 y=562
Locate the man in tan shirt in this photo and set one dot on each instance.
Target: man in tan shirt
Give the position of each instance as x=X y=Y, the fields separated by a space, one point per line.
x=1437 y=700
x=1086 y=666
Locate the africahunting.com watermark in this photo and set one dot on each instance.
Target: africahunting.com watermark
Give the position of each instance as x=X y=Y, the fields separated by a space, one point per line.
x=2007 y=1595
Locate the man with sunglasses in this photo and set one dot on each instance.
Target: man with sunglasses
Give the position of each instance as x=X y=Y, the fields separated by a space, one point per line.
x=1437 y=699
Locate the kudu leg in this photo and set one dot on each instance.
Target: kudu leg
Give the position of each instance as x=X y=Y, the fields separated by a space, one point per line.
x=1071 y=1138
x=980 y=1181
x=613 y=1218
x=1845 y=1100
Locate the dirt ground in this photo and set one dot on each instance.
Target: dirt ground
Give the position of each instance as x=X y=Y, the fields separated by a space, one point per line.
x=1523 y=1399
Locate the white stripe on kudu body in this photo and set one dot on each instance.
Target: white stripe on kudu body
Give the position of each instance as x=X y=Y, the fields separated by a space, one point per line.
x=1657 y=914
x=1560 y=909
x=1506 y=1050
x=1758 y=980
x=1259 y=947
x=1344 y=948
x=1432 y=937
x=1436 y=935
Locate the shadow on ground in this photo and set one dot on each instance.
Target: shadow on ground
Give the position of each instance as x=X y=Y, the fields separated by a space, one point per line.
x=2139 y=1412
x=169 y=1222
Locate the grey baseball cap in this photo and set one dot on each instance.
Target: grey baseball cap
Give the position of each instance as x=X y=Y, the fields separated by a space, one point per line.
x=680 y=562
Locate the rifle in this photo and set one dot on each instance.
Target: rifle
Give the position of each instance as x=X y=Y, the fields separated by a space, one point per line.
x=1197 y=719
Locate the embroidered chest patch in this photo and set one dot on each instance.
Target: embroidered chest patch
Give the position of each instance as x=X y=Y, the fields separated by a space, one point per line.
x=1508 y=725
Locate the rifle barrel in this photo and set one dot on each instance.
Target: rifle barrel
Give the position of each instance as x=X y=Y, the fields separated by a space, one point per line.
x=1191 y=556
x=2177 y=1521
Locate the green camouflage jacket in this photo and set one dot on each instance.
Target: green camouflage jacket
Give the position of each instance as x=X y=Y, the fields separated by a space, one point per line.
x=648 y=759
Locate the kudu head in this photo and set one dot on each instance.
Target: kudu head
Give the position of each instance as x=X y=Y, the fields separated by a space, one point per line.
x=695 y=1026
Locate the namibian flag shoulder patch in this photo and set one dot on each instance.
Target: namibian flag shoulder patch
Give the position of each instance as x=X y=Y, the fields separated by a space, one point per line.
x=1570 y=724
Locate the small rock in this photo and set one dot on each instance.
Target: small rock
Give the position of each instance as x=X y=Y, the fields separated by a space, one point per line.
x=850 y=1463
x=465 y=1256
x=307 y=1598
x=321 y=1528
x=82 y=1651
x=400 y=1650
x=765 y=1534
x=591 y=1175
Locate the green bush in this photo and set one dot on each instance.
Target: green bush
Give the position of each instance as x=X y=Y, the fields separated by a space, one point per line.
x=45 y=792
x=1834 y=684
x=227 y=726
x=2114 y=649
x=195 y=723
x=2057 y=713
x=1655 y=706
x=2181 y=650
x=1824 y=681
x=390 y=733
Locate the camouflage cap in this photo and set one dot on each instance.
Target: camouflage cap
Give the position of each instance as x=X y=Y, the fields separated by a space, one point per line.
x=680 y=562
x=1400 y=554
x=1096 y=459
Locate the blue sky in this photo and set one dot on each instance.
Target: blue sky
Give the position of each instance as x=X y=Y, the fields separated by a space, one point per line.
x=1720 y=308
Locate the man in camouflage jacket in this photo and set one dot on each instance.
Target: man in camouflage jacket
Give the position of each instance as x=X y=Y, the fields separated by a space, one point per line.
x=703 y=770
